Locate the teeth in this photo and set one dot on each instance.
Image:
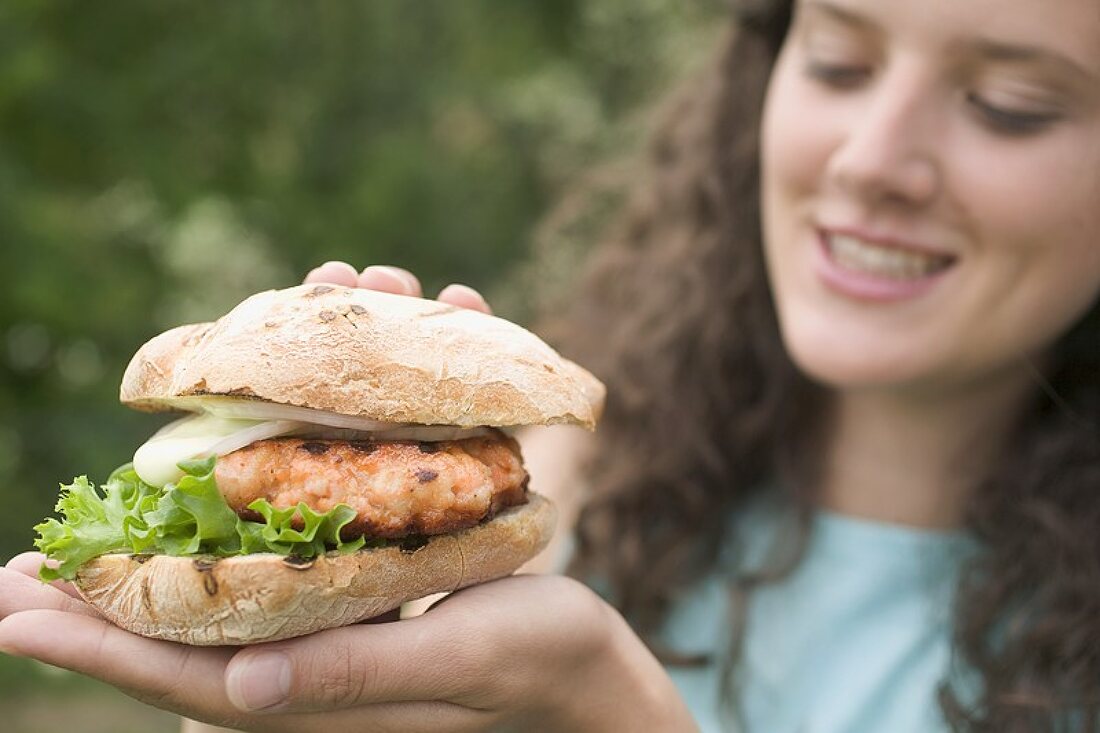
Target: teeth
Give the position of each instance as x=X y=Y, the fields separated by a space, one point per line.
x=856 y=254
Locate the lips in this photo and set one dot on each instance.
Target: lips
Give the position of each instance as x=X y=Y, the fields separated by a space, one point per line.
x=879 y=260
x=873 y=268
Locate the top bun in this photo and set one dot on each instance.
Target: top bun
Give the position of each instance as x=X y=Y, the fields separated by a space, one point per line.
x=375 y=355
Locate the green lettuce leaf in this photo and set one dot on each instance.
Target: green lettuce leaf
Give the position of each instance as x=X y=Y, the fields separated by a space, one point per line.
x=320 y=530
x=188 y=517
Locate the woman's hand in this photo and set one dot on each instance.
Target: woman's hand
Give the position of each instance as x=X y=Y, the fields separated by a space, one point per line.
x=394 y=280
x=525 y=653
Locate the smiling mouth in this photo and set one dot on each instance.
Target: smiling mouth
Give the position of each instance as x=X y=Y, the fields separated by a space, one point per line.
x=877 y=260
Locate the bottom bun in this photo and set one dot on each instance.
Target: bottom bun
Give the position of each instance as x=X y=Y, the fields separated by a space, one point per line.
x=209 y=601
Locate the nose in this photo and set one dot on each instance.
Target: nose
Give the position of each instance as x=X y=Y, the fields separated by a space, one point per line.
x=888 y=152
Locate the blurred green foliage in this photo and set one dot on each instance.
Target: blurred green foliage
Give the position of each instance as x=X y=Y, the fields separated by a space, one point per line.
x=160 y=161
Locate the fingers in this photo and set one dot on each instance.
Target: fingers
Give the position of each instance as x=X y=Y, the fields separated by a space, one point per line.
x=344 y=668
x=471 y=651
x=464 y=297
x=384 y=278
x=28 y=563
x=171 y=676
x=19 y=592
x=390 y=280
x=337 y=273
x=190 y=681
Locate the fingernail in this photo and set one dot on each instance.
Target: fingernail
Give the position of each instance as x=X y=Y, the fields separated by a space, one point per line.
x=392 y=274
x=464 y=290
x=259 y=681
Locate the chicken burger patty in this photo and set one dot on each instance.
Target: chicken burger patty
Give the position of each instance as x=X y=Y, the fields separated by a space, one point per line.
x=397 y=488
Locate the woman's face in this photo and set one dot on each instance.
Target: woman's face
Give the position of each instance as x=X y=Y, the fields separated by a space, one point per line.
x=931 y=185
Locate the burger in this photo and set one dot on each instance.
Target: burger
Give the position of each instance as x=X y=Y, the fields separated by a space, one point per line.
x=342 y=451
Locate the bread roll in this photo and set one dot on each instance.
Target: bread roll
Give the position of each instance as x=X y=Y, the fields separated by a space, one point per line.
x=207 y=601
x=359 y=352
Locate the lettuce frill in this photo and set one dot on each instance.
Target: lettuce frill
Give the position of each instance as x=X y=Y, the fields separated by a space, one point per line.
x=189 y=517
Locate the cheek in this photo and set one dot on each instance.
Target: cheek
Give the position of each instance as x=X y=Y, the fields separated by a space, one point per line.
x=1028 y=213
x=1046 y=192
x=794 y=143
x=1034 y=214
x=795 y=147
x=788 y=175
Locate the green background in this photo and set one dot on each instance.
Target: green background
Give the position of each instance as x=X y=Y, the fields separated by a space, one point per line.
x=160 y=161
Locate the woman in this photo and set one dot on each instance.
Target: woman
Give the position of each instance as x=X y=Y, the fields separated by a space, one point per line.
x=859 y=389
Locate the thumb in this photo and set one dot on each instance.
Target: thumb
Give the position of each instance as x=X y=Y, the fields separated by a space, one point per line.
x=347 y=667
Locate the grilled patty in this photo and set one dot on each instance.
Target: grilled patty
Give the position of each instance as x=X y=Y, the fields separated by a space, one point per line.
x=397 y=488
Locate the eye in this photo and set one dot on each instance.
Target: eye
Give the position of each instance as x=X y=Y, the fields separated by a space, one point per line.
x=838 y=76
x=1010 y=121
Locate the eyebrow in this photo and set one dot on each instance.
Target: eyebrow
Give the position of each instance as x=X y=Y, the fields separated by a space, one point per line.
x=840 y=13
x=1000 y=51
x=990 y=48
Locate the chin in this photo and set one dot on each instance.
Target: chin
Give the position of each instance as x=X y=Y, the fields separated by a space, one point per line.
x=852 y=364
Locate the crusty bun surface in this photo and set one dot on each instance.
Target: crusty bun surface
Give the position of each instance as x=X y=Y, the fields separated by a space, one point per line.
x=206 y=601
x=359 y=352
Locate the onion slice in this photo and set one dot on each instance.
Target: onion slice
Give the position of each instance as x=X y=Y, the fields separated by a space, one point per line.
x=420 y=433
x=200 y=436
x=244 y=409
x=241 y=438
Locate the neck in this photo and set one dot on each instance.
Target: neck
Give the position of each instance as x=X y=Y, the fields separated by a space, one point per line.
x=915 y=459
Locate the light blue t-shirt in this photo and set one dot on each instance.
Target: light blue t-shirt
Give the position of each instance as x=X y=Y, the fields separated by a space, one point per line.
x=855 y=640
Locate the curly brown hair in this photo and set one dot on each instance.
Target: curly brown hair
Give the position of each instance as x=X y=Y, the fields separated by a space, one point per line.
x=705 y=407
